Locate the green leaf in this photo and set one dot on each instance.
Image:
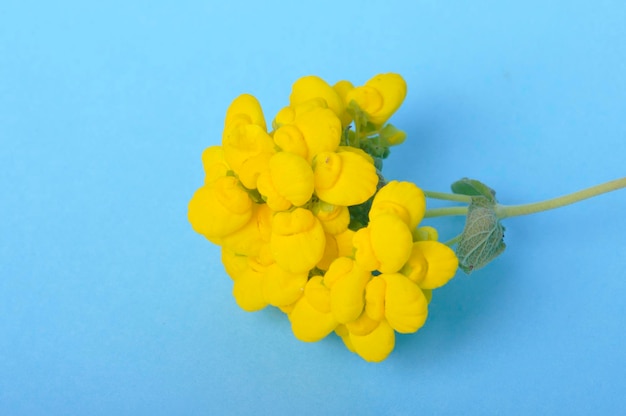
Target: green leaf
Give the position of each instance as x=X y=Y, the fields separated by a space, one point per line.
x=482 y=237
x=472 y=187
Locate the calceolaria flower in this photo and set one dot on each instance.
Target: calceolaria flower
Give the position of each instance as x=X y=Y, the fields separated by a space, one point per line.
x=307 y=224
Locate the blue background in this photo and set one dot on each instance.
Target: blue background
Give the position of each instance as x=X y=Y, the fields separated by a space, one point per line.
x=111 y=305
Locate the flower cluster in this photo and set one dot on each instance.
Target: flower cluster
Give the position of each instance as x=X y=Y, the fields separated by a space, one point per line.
x=306 y=222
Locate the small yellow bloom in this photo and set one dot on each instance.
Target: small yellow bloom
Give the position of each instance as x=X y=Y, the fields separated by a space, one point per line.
x=431 y=264
x=311 y=87
x=282 y=288
x=247 y=150
x=245 y=109
x=346 y=281
x=376 y=345
x=384 y=245
x=344 y=178
x=334 y=218
x=406 y=307
x=292 y=177
x=318 y=127
x=270 y=194
x=380 y=97
x=403 y=199
x=247 y=287
x=297 y=241
x=310 y=319
x=219 y=208
x=214 y=164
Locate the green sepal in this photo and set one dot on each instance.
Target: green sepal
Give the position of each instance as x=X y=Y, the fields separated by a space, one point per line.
x=472 y=187
x=482 y=238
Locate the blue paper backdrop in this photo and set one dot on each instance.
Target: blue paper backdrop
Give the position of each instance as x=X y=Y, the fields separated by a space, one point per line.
x=111 y=305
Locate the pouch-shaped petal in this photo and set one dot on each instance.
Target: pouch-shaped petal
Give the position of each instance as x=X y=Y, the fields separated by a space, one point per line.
x=344 y=178
x=282 y=288
x=347 y=289
x=310 y=87
x=376 y=345
x=297 y=241
x=292 y=177
x=391 y=241
x=214 y=164
x=406 y=307
x=380 y=97
x=308 y=323
x=247 y=150
x=219 y=208
x=442 y=263
x=403 y=199
x=247 y=288
x=245 y=109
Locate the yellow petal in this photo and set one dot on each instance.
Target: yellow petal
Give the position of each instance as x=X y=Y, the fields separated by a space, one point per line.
x=363 y=325
x=442 y=264
x=347 y=290
x=391 y=241
x=425 y=233
x=247 y=288
x=317 y=294
x=292 y=177
x=364 y=254
x=406 y=307
x=219 y=208
x=310 y=87
x=403 y=199
x=375 y=346
x=290 y=139
x=214 y=164
x=247 y=150
x=308 y=323
x=375 y=292
x=331 y=252
x=297 y=241
x=334 y=218
x=344 y=178
x=245 y=109
x=270 y=194
x=380 y=97
x=282 y=288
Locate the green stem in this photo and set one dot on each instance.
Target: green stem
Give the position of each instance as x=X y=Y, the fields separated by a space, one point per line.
x=445 y=212
x=505 y=211
x=454 y=240
x=448 y=197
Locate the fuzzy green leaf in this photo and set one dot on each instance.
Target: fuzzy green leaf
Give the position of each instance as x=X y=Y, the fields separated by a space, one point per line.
x=472 y=187
x=482 y=238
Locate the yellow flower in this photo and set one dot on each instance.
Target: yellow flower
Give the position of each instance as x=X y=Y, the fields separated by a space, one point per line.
x=297 y=241
x=384 y=245
x=406 y=307
x=380 y=97
x=403 y=199
x=311 y=319
x=282 y=288
x=247 y=287
x=214 y=164
x=219 y=208
x=307 y=129
x=292 y=177
x=245 y=109
x=376 y=345
x=346 y=281
x=431 y=264
x=334 y=218
x=247 y=150
x=253 y=237
x=311 y=87
x=344 y=178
